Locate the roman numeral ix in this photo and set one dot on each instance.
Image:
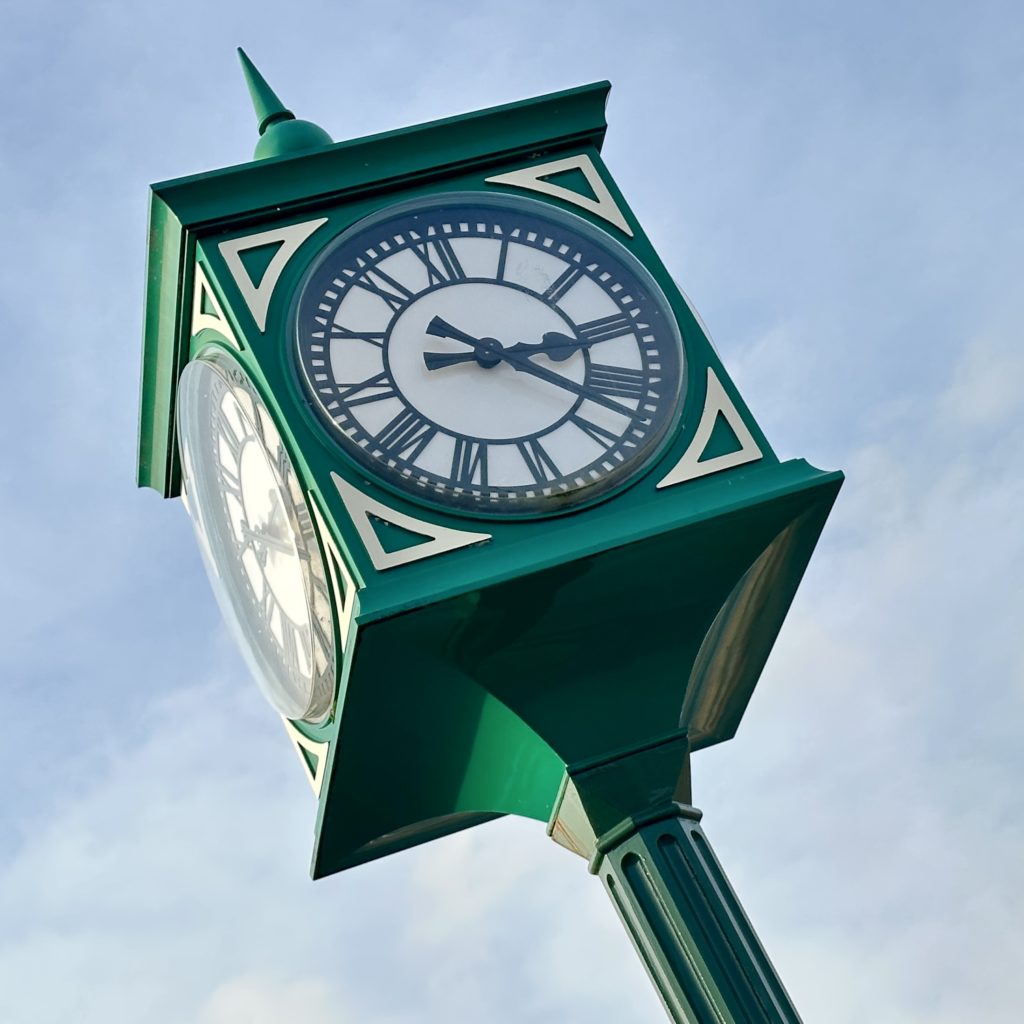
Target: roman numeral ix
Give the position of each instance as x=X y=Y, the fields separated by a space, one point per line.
x=344 y=334
x=380 y=384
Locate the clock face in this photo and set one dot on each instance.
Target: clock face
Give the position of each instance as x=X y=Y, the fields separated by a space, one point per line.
x=256 y=535
x=489 y=354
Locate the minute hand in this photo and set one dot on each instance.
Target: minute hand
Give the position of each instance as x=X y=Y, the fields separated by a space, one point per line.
x=520 y=361
x=554 y=345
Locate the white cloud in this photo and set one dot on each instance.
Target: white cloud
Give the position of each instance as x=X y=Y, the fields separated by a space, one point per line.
x=258 y=1000
x=882 y=859
x=987 y=386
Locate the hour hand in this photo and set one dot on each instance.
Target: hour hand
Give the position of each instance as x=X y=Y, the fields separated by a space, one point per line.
x=440 y=328
x=486 y=351
x=437 y=360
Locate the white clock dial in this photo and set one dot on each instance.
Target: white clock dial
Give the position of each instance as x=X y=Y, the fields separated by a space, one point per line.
x=256 y=535
x=493 y=355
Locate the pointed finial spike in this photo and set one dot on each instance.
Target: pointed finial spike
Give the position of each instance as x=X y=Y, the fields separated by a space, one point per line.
x=268 y=107
x=281 y=134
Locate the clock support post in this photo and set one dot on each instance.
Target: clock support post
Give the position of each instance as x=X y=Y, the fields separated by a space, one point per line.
x=633 y=819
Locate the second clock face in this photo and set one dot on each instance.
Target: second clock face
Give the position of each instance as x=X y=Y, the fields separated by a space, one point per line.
x=494 y=356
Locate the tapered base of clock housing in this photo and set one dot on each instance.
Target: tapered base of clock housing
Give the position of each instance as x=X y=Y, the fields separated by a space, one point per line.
x=477 y=705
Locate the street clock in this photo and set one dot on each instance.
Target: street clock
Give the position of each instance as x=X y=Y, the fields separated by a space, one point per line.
x=481 y=504
x=490 y=354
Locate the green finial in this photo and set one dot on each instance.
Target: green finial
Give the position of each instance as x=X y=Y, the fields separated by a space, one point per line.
x=281 y=133
x=268 y=107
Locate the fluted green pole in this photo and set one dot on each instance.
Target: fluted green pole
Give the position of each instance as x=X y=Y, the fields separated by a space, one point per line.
x=631 y=817
x=689 y=928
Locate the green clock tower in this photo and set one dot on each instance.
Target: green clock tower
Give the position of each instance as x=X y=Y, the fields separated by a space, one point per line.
x=489 y=519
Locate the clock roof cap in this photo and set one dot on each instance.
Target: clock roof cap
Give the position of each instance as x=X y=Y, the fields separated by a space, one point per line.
x=281 y=133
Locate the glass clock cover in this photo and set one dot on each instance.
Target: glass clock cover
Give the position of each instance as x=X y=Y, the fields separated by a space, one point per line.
x=491 y=354
x=256 y=535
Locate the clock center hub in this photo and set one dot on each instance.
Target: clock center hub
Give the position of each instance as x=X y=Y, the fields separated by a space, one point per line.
x=492 y=355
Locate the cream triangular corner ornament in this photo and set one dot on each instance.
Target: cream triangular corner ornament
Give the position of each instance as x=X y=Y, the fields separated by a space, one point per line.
x=691 y=466
x=341 y=579
x=318 y=751
x=532 y=178
x=437 y=539
x=215 y=321
x=258 y=295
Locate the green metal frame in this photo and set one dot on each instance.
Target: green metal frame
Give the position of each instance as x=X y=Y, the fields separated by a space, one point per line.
x=504 y=677
x=432 y=638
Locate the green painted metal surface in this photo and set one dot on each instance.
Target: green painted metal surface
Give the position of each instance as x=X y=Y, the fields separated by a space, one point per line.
x=572 y=637
x=631 y=816
x=168 y=281
x=281 y=133
x=688 y=927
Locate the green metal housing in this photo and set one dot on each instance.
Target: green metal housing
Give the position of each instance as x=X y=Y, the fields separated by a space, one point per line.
x=475 y=683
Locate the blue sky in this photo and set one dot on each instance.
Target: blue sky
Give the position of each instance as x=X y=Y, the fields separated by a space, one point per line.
x=838 y=189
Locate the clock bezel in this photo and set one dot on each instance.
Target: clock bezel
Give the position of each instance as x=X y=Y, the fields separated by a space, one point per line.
x=216 y=358
x=629 y=474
